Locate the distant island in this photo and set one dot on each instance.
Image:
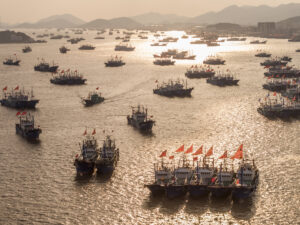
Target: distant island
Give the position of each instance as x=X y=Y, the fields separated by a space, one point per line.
x=14 y=37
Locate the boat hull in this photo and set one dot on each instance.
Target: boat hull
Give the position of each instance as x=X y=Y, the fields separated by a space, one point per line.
x=84 y=168
x=197 y=191
x=52 y=69
x=156 y=189
x=219 y=191
x=19 y=104
x=68 y=82
x=142 y=126
x=175 y=93
x=32 y=134
x=175 y=191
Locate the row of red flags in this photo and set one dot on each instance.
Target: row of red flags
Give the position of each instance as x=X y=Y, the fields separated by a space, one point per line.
x=5 y=88
x=93 y=133
x=237 y=155
x=294 y=98
x=21 y=113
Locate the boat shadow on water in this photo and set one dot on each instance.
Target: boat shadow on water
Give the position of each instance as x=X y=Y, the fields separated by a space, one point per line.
x=220 y=205
x=243 y=209
x=103 y=178
x=197 y=206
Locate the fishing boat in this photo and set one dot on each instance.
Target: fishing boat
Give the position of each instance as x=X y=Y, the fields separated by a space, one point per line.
x=222 y=183
x=26 y=49
x=45 y=67
x=115 y=62
x=12 y=62
x=124 y=47
x=85 y=162
x=223 y=79
x=214 y=61
x=162 y=176
x=139 y=119
x=173 y=89
x=164 y=62
x=63 y=49
x=108 y=156
x=246 y=181
x=86 y=47
x=182 y=176
x=201 y=178
x=199 y=72
x=26 y=127
x=18 y=98
x=68 y=78
x=93 y=98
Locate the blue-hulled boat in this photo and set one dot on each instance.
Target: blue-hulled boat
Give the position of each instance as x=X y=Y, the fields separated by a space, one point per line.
x=85 y=163
x=108 y=157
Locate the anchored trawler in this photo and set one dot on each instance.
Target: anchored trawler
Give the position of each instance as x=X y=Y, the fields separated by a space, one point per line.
x=163 y=62
x=86 y=47
x=12 y=62
x=201 y=178
x=278 y=85
x=199 y=72
x=263 y=54
x=282 y=72
x=26 y=49
x=162 y=176
x=273 y=62
x=85 y=162
x=223 y=79
x=246 y=180
x=124 y=47
x=173 y=89
x=26 y=127
x=18 y=98
x=286 y=58
x=93 y=98
x=258 y=42
x=108 y=156
x=182 y=176
x=214 y=61
x=279 y=108
x=45 y=67
x=115 y=62
x=68 y=78
x=222 y=183
x=139 y=119
x=63 y=49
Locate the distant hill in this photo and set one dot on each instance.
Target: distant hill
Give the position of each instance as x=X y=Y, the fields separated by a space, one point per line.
x=156 y=18
x=224 y=26
x=248 y=15
x=14 y=37
x=121 y=22
x=57 y=21
x=290 y=23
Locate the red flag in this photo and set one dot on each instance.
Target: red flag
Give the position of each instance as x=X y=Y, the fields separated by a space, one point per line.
x=163 y=154
x=24 y=113
x=171 y=157
x=213 y=179
x=94 y=132
x=97 y=88
x=180 y=149
x=294 y=99
x=5 y=88
x=17 y=88
x=195 y=158
x=269 y=78
x=189 y=150
x=237 y=181
x=209 y=152
x=277 y=75
x=84 y=132
x=199 y=151
x=274 y=94
x=18 y=113
x=224 y=156
x=239 y=153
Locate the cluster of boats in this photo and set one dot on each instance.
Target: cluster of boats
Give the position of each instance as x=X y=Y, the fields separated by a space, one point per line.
x=173 y=88
x=200 y=177
x=68 y=77
x=91 y=157
x=283 y=80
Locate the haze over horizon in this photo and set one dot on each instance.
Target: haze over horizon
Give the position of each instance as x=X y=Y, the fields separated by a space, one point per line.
x=107 y=9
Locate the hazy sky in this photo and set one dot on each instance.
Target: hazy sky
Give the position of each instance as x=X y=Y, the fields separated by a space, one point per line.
x=15 y=11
